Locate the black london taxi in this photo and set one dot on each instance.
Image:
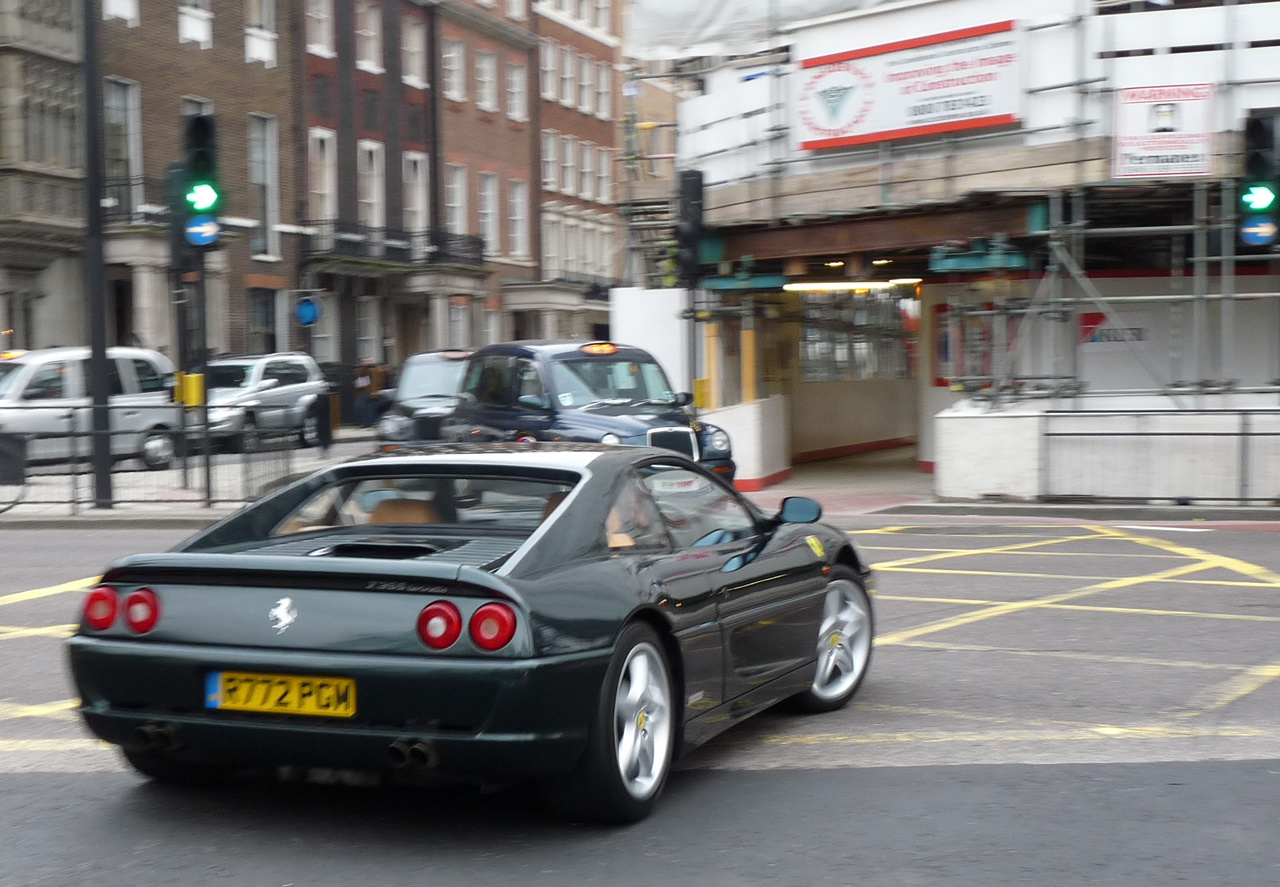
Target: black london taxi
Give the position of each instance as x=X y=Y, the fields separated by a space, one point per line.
x=597 y=392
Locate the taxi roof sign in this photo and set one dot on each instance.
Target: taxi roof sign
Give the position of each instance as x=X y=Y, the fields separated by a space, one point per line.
x=600 y=348
x=10 y=355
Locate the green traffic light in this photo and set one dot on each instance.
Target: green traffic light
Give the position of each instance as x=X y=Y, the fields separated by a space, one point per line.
x=1258 y=197
x=202 y=197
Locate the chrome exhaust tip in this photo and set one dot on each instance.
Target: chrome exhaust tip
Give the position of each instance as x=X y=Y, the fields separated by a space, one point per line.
x=423 y=756
x=398 y=754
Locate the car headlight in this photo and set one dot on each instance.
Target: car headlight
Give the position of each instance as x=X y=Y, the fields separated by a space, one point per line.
x=395 y=427
x=719 y=441
x=611 y=440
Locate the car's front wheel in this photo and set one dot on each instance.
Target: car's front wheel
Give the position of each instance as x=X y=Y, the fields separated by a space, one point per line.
x=844 y=644
x=632 y=740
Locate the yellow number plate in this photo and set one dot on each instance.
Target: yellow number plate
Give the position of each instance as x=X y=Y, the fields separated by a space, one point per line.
x=281 y=694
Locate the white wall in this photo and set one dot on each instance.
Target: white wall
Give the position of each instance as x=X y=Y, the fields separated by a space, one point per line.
x=836 y=415
x=650 y=319
x=759 y=450
x=981 y=452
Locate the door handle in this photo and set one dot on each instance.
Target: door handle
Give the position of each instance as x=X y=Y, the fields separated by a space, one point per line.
x=129 y=414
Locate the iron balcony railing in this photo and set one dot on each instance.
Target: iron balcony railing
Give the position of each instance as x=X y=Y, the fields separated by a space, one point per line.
x=135 y=200
x=339 y=239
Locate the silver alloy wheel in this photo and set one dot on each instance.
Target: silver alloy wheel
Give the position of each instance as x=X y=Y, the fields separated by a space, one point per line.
x=844 y=640
x=157 y=449
x=642 y=723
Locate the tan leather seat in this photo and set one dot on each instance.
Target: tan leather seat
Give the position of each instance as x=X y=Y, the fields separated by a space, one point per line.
x=614 y=534
x=553 y=502
x=404 y=511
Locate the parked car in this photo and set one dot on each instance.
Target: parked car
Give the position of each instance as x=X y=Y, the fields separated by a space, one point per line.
x=270 y=393
x=575 y=391
x=44 y=397
x=578 y=614
x=425 y=394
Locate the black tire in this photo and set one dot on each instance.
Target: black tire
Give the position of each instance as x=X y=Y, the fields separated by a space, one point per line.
x=308 y=431
x=247 y=440
x=171 y=771
x=836 y=696
x=158 y=449
x=596 y=790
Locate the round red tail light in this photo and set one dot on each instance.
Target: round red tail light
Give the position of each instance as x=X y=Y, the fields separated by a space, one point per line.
x=141 y=610
x=439 y=625
x=493 y=626
x=100 y=608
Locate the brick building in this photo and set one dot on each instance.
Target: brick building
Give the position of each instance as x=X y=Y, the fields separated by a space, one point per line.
x=418 y=197
x=578 y=54
x=161 y=60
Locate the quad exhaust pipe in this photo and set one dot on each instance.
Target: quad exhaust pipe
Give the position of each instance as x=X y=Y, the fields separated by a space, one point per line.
x=159 y=737
x=404 y=754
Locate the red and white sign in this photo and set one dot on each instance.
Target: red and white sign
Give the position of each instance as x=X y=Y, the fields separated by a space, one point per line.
x=1163 y=132
x=958 y=80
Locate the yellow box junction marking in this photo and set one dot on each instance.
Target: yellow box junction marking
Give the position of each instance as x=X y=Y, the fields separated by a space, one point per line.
x=37 y=593
x=59 y=711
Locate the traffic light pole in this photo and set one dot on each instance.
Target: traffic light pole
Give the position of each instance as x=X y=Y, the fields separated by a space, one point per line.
x=202 y=367
x=94 y=287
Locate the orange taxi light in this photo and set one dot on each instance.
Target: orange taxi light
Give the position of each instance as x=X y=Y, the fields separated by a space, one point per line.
x=10 y=355
x=600 y=348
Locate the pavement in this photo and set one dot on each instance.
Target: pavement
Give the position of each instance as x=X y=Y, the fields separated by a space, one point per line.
x=880 y=482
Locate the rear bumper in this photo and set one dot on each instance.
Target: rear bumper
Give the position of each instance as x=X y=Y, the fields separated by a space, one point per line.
x=510 y=717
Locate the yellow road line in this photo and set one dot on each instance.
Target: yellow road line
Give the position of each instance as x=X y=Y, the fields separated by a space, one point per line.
x=1105 y=554
x=1013 y=575
x=1139 y=611
x=1098 y=732
x=1018 y=606
x=35 y=593
x=1236 y=565
x=60 y=711
x=15 y=745
x=965 y=716
x=1232 y=690
x=9 y=632
x=912 y=599
x=1040 y=543
x=1083 y=657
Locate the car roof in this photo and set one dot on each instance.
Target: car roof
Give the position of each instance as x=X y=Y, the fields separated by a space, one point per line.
x=75 y=352
x=553 y=348
x=440 y=354
x=253 y=358
x=574 y=456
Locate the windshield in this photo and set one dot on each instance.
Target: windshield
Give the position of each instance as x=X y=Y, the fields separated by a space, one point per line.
x=579 y=382
x=227 y=375
x=9 y=373
x=427 y=377
x=461 y=498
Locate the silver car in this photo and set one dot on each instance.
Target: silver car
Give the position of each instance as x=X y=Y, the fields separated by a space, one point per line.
x=263 y=394
x=44 y=398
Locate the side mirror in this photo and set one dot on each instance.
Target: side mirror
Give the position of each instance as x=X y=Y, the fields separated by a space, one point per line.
x=268 y=384
x=799 y=510
x=533 y=402
x=683 y=399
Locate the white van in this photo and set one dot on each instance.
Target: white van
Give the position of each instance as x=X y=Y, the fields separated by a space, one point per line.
x=44 y=396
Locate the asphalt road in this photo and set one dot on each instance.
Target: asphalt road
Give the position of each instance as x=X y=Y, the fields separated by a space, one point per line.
x=1049 y=703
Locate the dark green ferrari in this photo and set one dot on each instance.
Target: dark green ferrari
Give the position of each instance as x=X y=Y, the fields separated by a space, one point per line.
x=578 y=614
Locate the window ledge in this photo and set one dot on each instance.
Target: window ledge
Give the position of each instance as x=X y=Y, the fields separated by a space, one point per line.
x=323 y=52
x=264 y=257
x=415 y=82
x=369 y=67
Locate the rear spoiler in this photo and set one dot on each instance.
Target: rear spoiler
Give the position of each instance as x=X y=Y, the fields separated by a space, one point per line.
x=339 y=574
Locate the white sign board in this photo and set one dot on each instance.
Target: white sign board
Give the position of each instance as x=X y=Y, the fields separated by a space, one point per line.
x=1098 y=333
x=958 y=80
x=1163 y=131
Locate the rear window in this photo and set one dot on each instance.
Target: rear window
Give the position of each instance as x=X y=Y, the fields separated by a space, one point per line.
x=227 y=375
x=429 y=500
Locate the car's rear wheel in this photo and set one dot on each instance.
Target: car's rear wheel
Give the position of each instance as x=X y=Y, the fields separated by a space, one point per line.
x=632 y=739
x=162 y=768
x=844 y=644
x=157 y=450
x=247 y=441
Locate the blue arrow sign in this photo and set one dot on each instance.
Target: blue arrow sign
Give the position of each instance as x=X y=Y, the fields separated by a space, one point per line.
x=307 y=311
x=1258 y=230
x=203 y=230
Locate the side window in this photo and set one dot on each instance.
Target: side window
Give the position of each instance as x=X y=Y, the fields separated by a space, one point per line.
x=529 y=383
x=491 y=385
x=49 y=382
x=696 y=510
x=634 y=521
x=297 y=374
x=149 y=378
x=114 y=384
x=278 y=371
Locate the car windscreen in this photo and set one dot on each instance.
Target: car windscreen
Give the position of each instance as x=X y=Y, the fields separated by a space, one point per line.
x=582 y=381
x=425 y=378
x=227 y=375
x=466 y=499
x=9 y=373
